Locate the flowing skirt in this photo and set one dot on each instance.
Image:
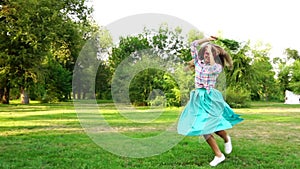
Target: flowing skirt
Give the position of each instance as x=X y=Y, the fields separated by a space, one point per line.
x=206 y=113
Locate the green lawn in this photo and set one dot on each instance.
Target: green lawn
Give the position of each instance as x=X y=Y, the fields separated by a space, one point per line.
x=50 y=136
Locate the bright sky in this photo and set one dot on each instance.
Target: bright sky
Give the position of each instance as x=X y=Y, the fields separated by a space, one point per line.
x=275 y=22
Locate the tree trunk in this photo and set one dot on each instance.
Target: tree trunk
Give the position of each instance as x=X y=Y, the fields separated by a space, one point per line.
x=83 y=95
x=1 y=94
x=24 y=96
x=4 y=93
x=5 y=97
x=79 y=93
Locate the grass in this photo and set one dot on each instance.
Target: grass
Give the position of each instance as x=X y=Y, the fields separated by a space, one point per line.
x=51 y=136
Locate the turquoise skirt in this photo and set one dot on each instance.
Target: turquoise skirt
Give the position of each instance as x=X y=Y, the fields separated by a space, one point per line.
x=206 y=113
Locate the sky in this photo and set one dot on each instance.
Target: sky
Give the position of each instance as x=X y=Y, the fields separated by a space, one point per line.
x=275 y=22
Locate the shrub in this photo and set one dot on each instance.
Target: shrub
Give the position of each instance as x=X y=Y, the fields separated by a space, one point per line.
x=237 y=97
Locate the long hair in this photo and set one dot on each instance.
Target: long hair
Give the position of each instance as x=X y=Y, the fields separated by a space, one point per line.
x=220 y=55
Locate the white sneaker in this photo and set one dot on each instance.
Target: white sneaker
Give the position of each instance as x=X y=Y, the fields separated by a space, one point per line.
x=217 y=160
x=228 y=146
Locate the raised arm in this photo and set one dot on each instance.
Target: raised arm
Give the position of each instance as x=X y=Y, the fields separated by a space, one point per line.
x=195 y=43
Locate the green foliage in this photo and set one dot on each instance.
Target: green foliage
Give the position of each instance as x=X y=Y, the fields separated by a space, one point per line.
x=104 y=74
x=30 y=29
x=103 y=80
x=295 y=79
x=194 y=35
x=168 y=45
x=158 y=101
x=54 y=85
x=230 y=44
x=292 y=54
x=284 y=76
x=126 y=47
x=264 y=86
x=143 y=84
x=34 y=30
x=57 y=83
x=288 y=76
x=237 y=97
x=252 y=70
x=185 y=80
x=242 y=71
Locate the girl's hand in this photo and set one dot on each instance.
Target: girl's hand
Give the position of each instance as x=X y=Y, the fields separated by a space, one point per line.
x=201 y=41
x=214 y=37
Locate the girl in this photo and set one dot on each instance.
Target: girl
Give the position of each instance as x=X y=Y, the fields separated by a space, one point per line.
x=207 y=112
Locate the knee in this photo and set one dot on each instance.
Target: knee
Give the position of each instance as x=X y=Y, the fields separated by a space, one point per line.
x=220 y=132
x=207 y=136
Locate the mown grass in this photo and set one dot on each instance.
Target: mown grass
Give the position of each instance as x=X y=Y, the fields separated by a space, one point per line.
x=50 y=136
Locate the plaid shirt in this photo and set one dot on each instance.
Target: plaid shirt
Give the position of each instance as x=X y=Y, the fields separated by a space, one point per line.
x=205 y=74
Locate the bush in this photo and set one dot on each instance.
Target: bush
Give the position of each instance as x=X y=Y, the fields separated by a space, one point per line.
x=50 y=97
x=237 y=97
x=158 y=101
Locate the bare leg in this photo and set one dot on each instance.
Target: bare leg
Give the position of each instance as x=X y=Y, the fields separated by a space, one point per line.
x=213 y=144
x=227 y=140
x=223 y=135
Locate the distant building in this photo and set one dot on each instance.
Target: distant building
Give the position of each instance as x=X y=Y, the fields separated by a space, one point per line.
x=291 y=98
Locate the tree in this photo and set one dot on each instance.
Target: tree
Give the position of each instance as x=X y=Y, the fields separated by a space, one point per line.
x=194 y=35
x=239 y=79
x=166 y=44
x=295 y=79
x=292 y=54
x=241 y=73
x=294 y=70
x=264 y=86
x=288 y=75
x=57 y=84
x=30 y=30
x=103 y=77
x=284 y=76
